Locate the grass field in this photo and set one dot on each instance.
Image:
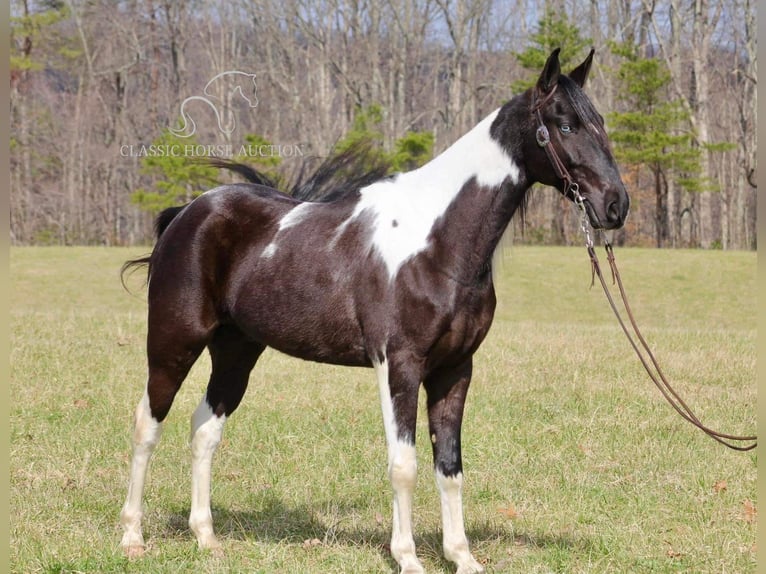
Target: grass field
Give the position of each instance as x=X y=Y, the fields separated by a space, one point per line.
x=574 y=462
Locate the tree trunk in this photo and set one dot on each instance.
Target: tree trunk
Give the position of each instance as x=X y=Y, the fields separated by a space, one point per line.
x=702 y=30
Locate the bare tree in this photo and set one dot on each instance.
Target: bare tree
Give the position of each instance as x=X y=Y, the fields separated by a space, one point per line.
x=94 y=83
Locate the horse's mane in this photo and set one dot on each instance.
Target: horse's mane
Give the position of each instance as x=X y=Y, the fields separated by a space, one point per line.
x=338 y=175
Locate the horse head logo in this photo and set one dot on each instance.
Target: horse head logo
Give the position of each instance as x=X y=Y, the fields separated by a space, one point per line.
x=232 y=82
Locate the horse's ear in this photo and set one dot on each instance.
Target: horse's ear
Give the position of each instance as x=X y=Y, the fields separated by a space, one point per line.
x=551 y=71
x=580 y=73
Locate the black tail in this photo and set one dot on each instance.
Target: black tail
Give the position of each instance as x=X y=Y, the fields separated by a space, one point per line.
x=160 y=224
x=249 y=173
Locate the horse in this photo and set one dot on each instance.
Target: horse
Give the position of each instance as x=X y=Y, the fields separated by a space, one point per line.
x=393 y=274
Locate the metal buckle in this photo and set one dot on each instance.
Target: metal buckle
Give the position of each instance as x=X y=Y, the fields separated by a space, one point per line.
x=584 y=220
x=542 y=136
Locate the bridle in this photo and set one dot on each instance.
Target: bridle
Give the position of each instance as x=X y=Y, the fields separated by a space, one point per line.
x=572 y=190
x=543 y=138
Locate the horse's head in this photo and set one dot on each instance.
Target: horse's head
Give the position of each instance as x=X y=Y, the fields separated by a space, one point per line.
x=253 y=99
x=566 y=144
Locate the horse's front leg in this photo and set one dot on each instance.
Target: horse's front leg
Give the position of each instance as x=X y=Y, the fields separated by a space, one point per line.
x=399 y=382
x=447 y=389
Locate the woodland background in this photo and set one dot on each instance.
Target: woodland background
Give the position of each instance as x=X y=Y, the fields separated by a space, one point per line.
x=94 y=83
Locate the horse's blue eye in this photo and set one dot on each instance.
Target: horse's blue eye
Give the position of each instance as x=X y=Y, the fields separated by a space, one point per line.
x=565 y=128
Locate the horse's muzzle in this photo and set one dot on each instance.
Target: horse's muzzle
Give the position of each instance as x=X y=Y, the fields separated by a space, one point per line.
x=613 y=215
x=617 y=213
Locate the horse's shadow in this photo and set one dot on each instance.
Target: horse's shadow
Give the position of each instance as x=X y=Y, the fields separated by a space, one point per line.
x=276 y=521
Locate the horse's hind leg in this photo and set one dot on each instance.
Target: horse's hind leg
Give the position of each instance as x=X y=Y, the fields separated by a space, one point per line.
x=233 y=357
x=146 y=435
x=170 y=359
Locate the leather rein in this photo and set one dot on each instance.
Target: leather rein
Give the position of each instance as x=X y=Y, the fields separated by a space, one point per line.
x=572 y=190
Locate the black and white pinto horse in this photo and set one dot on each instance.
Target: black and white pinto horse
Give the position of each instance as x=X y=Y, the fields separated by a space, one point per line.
x=395 y=275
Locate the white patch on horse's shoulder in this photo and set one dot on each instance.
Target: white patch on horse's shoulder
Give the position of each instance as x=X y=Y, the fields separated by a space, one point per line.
x=289 y=219
x=406 y=207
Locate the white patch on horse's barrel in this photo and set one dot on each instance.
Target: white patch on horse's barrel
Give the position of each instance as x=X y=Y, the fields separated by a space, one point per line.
x=269 y=250
x=289 y=219
x=295 y=215
x=416 y=199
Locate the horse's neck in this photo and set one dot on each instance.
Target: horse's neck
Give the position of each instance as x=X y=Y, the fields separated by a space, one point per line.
x=474 y=154
x=458 y=204
x=477 y=187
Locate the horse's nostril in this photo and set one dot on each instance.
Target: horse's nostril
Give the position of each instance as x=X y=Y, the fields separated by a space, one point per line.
x=613 y=213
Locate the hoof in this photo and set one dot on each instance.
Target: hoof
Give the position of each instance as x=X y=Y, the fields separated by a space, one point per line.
x=216 y=552
x=412 y=568
x=210 y=544
x=133 y=544
x=466 y=563
x=470 y=568
x=134 y=551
